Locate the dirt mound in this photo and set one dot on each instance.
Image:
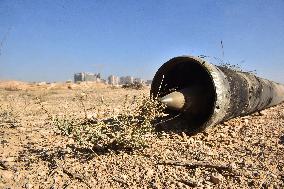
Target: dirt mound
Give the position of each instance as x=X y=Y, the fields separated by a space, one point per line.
x=13 y=85
x=21 y=86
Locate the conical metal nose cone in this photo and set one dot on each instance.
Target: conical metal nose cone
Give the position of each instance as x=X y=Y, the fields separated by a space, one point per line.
x=174 y=100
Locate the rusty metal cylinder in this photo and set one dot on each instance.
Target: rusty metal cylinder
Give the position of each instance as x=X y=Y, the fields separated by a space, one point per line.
x=226 y=93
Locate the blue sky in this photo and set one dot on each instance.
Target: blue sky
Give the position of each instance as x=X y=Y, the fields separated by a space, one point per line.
x=49 y=40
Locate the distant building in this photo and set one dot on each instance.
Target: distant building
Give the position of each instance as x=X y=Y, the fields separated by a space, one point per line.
x=79 y=77
x=138 y=80
x=85 y=76
x=126 y=80
x=113 y=80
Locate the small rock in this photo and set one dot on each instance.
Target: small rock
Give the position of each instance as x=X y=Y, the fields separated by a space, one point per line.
x=233 y=165
x=256 y=174
x=232 y=134
x=197 y=172
x=216 y=179
x=124 y=177
x=160 y=168
x=28 y=186
x=172 y=185
x=149 y=173
x=71 y=141
x=210 y=152
x=179 y=185
x=261 y=113
x=273 y=175
x=157 y=185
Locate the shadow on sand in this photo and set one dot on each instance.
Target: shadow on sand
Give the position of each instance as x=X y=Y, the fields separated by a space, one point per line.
x=176 y=125
x=71 y=151
x=282 y=140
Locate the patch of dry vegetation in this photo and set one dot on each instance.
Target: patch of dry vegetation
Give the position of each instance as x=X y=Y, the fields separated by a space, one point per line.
x=128 y=130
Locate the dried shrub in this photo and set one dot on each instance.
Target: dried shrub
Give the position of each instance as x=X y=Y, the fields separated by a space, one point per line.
x=128 y=130
x=227 y=64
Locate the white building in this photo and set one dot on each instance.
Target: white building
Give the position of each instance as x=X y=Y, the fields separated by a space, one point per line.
x=113 y=80
x=85 y=76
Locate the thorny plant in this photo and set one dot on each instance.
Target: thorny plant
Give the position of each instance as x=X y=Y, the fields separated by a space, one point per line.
x=227 y=64
x=128 y=130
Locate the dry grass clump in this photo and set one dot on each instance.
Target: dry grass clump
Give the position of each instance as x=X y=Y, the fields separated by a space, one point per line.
x=128 y=130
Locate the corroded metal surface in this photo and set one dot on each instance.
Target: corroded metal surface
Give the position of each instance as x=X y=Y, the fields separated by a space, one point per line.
x=225 y=93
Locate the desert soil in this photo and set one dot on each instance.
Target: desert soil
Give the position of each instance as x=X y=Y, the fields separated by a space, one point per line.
x=245 y=152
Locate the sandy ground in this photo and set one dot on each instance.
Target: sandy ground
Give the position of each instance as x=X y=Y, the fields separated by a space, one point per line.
x=246 y=152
